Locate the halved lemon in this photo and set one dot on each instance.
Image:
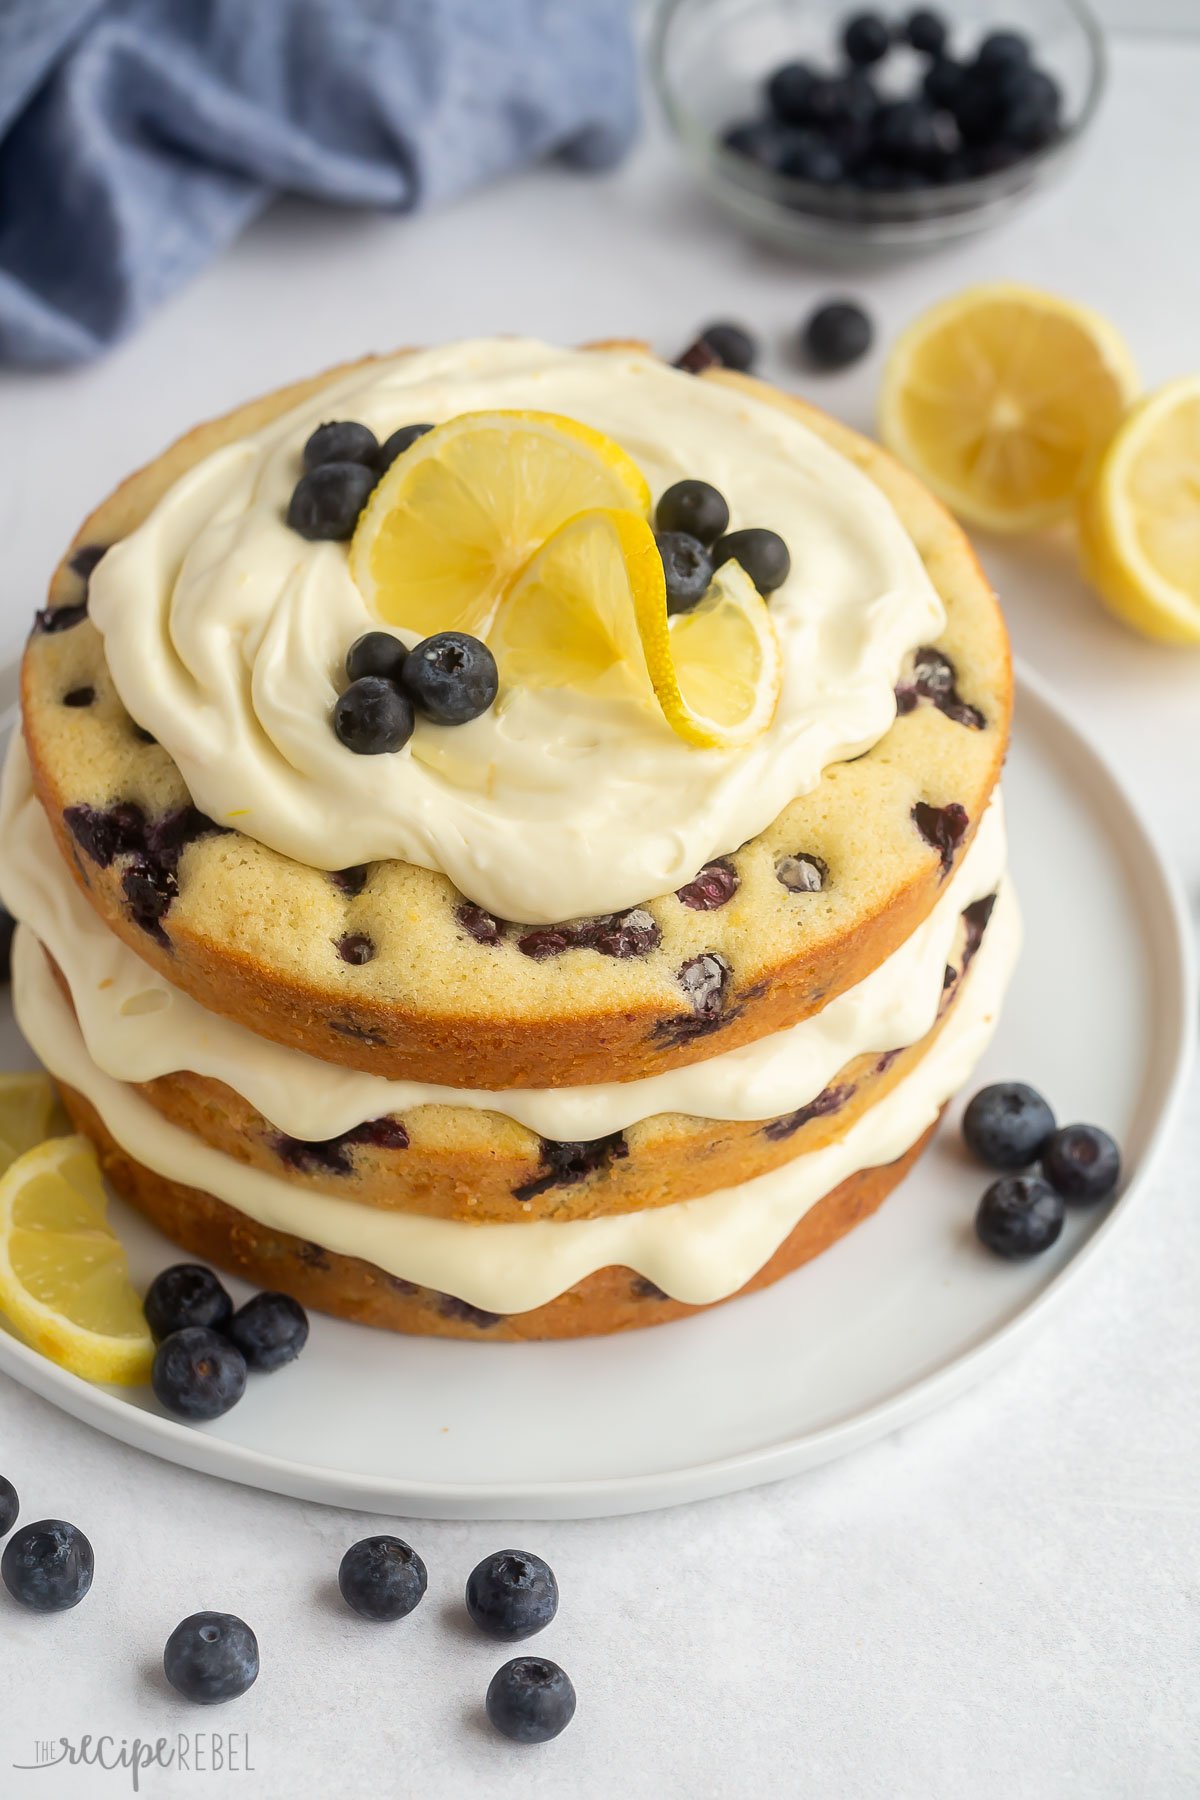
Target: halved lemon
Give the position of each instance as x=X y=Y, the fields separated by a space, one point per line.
x=27 y=1108
x=590 y=611
x=64 y=1280
x=1003 y=400
x=1139 y=523
x=462 y=510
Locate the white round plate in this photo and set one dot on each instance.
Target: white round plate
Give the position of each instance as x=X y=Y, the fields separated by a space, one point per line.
x=902 y=1314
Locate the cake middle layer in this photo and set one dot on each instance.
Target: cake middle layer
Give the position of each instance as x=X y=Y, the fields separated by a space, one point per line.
x=698 y=1250
x=572 y=1152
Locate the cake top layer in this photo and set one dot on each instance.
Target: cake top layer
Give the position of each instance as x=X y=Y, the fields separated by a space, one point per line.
x=226 y=634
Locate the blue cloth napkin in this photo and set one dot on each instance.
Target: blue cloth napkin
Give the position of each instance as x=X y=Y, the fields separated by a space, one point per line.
x=138 y=137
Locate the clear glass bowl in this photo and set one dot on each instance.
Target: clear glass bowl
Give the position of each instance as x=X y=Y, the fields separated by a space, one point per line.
x=709 y=59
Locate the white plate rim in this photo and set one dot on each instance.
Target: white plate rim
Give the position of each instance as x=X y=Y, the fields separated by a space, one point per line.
x=599 y=1497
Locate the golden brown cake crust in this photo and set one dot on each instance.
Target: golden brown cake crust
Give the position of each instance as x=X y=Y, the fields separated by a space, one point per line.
x=460 y=1163
x=613 y=1299
x=252 y=934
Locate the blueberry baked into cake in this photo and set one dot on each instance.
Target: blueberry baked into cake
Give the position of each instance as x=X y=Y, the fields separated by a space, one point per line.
x=507 y=841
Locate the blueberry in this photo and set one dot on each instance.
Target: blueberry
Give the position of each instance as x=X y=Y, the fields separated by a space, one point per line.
x=451 y=677
x=326 y=502
x=185 y=1294
x=400 y=440
x=693 y=507
x=270 y=1330
x=866 y=39
x=373 y=717
x=10 y=1506
x=802 y=874
x=512 y=1595
x=733 y=345
x=1007 y=1124
x=758 y=141
x=1003 y=50
x=211 y=1657
x=976 y=107
x=788 y=90
x=356 y=948
x=811 y=157
x=828 y=98
x=382 y=1578
x=836 y=334
x=687 y=569
x=941 y=82
x=926 y=31
x=8 y=926
x=763 y=554
x=198 y=1374
x=905 y=131
x=1030 y=105
x=1019 y=1216
x=48 y=1566
x=342 y=441
x=530 y=1700
x=1081 y=1163
x=375 y=653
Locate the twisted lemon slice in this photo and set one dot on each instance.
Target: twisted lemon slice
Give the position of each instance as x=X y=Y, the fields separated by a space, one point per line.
x=1139 y=525
x=460 y=512
x=1002 y=399
x=590 y=611
x=64 y=1281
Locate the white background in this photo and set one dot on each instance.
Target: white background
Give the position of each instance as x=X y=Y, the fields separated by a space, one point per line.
x=1000 y=1602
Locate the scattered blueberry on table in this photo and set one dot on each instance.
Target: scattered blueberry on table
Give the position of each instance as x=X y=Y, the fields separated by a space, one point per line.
x=512 y=1594
x=198 y=1374
x=1006 y=1124
x=270 y=1330
x=851 y=126
x=1019 y=1216
x=185 y=1294
x=733 y=346
x=47 y=1566
x=1010 y=1126
x=530 y=1700
x=10 y=1506
x=837 y=334
x=211 y=1657
x=382 y=1578
x=1082 y=1163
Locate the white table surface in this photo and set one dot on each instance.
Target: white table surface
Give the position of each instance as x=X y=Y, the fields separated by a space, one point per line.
x=1001 y=1601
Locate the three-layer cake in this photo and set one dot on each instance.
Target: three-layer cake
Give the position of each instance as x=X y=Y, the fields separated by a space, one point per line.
x=564 y=1019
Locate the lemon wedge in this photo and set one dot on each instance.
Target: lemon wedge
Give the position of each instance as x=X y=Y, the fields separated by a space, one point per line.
x=461 y=511
x=590 y=611
x=64 y=1280
x=1139 y=523
x=1003 y=400
x=27 y=1110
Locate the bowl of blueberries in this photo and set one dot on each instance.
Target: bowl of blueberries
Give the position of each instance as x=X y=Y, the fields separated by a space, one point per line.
x=867 y=135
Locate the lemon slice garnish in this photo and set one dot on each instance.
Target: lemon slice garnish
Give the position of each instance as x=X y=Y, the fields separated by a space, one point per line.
x=64 y=1280
x=1139 y=524
x=462 y=510
x=1003 y=399
x=590 y=611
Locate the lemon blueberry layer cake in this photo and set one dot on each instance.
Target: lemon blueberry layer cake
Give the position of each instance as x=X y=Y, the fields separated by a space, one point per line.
x=508 y=840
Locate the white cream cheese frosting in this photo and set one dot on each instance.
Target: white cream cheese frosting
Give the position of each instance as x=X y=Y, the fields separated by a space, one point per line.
x=137 y=1026
x=226 y=634
x=696 y=1251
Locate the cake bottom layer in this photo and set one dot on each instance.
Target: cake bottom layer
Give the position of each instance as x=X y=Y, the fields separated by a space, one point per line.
x=613 y=1299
